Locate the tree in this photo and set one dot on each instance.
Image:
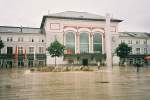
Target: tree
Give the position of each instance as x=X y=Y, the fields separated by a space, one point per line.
x=123 y=50
x=1 y=46
x=56 y=49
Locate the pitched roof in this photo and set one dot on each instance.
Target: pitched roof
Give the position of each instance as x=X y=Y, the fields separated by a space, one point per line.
x=74 y=14
x=13 y=29
x=77 y=16
x=134 y=34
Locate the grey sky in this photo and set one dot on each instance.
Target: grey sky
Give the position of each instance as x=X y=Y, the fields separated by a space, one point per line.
x=135 y=13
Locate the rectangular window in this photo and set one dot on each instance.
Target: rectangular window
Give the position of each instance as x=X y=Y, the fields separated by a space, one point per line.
x=20 y=39
x=54 y=26
x=138 y=42
x=129 y=41
x=9 y=50
x=145 y=42
x=30 y=63
x=9 y=39
x=145 y=50
x=137 y=50
x=31 y=50
x=122 y=41
x=41 y=50
x=20 y=50
x=131 y=51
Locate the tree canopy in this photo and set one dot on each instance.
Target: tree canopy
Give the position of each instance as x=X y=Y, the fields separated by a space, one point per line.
x=1 y=45
x=56 y=49
x=123 y=50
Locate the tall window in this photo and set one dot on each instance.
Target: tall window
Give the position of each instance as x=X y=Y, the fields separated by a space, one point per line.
x=9 y=39
x=84 y=42
x=20 y=39
x=129 y=41
x=97 y=43
x=9 y=50
x=145 y=50
x=41 y=50
x=20 y=50
x=122 y=41
x=131 y=51
x=137 y=41
x=137 y=50
x=145 y=42
x=70 y=42
x=31 y=50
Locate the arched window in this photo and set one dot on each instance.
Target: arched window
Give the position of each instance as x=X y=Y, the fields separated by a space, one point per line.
x=84 y=42
x=70 y=42
x=97 y=43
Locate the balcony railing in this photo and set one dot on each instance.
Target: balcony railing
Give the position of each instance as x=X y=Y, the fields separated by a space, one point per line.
x=85 y=55
x=137 y=55
x=22 y=56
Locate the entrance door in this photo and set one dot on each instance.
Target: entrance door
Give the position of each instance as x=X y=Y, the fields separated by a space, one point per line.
x=9 y=63
x=30 y=63
x=20 y=63
x=85 y=62
x=9 y=50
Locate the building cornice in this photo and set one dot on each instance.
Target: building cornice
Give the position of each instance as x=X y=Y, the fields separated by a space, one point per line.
x=75 y=18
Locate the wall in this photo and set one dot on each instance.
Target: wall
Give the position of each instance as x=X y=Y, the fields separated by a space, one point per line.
x=54 y=28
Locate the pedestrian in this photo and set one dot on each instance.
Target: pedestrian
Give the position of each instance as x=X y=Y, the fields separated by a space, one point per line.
x=98 y=65
x=137 y=67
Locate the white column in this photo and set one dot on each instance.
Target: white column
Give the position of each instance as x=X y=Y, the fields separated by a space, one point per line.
x=75 y=34
x=89 y=35
x=103 y=44
x=108 y=42
x=78 y=42
x=34 y=56
x=92 y=43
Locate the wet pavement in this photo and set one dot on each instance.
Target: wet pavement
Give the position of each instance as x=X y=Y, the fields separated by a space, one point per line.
x=120 y=84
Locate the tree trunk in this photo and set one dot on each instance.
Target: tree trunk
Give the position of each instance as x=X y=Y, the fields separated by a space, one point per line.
x=55 y=61
x=122 y=61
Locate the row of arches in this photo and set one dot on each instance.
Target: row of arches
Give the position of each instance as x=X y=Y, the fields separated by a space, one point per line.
x=84 y=42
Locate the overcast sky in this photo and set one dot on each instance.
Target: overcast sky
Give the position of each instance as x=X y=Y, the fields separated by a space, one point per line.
x=28 y=13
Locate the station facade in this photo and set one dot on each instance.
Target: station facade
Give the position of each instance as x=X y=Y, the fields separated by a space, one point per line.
x=88 y=38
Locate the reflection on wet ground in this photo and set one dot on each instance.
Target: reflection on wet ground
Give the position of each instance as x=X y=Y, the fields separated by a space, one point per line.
x=120 y=84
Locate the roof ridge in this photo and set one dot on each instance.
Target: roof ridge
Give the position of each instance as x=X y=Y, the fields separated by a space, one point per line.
x=19 y=27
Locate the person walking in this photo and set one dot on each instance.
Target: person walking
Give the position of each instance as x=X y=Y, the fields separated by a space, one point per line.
x=98 y=65
x=137 y=67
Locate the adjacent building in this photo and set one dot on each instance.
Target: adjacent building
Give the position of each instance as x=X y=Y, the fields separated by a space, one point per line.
x=140 y=43
x=23 y=46
x=88 y=38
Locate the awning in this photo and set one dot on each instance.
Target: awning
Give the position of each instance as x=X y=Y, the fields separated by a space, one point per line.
x=147 y=57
